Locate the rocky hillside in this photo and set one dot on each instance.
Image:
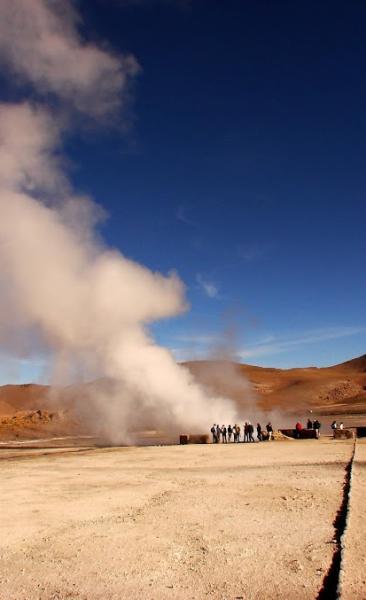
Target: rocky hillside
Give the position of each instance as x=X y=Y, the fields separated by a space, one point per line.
x=340 y=388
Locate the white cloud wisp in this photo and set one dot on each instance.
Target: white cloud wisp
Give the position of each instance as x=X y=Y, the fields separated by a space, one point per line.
x=208 y=287
x=277 y=345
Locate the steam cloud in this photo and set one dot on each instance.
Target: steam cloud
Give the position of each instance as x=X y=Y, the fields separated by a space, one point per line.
x=90 y=306
x=40 y=42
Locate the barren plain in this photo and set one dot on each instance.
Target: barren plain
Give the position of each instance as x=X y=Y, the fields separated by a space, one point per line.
x=236 y=521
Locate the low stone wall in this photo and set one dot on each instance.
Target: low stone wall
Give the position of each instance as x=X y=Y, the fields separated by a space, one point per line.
x=344 y=434
x=361 y=432
x=305 y=434
x=194 y=438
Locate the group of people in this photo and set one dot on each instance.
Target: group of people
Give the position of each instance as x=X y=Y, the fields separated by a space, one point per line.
x=335 y=426
x=316 y=425
x=229 y=434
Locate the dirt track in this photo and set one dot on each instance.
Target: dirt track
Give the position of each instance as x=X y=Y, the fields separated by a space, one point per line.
x=236 y=521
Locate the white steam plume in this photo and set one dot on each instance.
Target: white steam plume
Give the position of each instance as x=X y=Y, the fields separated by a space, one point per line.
x=40 y=42
x=89 y=305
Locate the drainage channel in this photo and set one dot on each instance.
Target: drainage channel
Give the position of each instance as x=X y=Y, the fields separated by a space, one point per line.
x=331 y=588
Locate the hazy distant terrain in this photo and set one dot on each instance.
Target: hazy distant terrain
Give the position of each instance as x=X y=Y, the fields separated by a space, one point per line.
x=338 y=388
x=30 y=410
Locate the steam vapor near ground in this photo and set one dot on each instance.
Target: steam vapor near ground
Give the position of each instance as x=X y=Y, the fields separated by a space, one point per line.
x=88 y=305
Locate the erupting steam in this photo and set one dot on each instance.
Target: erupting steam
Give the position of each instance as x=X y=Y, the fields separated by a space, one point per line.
x=89 y=305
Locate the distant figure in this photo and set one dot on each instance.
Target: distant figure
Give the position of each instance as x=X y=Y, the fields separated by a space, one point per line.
x=223 y=433
x=237 y=429
x=213 y=431
x=250 y=432
x=259 y=432
x=269 y=430
x=341 y=425
x=218 y=432
x=316 y=427
x=229 y=432
x=298 y=428
x=246 y=432
x=309 y=424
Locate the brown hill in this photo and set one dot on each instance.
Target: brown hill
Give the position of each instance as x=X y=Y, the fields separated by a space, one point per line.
x=330 y=389
x=32 y=410
x=29 y=409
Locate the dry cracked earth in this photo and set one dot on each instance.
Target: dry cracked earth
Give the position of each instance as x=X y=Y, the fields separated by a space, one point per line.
x=192 y=522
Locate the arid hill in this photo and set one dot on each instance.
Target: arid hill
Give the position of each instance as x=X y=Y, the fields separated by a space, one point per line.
x=339 y=388
x=29 y=410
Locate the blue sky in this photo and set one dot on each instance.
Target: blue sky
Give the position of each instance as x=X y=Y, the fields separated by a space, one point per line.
x=242 y=169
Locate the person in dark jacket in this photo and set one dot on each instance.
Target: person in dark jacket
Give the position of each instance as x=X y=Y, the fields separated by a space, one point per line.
x=223 y=433
x=309 y=424
x=259 y=432
x=250 y=432
x=317 y=426
x=229 y=433
x=269 y=430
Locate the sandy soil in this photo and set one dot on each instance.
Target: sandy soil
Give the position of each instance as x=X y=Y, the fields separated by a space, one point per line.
x=217 y=521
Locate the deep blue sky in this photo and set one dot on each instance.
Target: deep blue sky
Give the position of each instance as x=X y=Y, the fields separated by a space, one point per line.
x=243 y=169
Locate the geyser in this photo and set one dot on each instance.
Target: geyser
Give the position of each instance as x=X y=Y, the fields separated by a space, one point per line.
x=88 y=305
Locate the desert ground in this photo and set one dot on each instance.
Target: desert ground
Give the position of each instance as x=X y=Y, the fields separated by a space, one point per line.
x=280 y=519
x=236 y=521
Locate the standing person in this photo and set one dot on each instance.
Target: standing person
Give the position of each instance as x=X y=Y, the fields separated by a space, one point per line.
x=341 y=425
x=246 y=432
x=269 y=430
x=309 y=424
x=298 y=428
x=218 y=432
x=237 y=433
x=259 y=432
x=223 y=433
x=317 y=426
x=334 y=426
x=230 y=432
x=213 y=431
x=250 y=432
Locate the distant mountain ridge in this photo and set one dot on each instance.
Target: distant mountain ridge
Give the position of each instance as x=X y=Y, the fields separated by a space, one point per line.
x=335 y=389
x=292 y=389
